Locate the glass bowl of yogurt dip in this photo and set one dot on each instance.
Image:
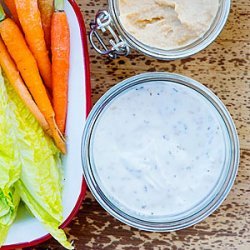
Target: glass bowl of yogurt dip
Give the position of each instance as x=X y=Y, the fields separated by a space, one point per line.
x=160 y=152
x=163 y=29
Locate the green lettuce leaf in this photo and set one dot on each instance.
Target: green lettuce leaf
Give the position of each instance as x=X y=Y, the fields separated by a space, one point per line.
x=40 y=182
x=10 y=166
x=9 y=205
x=40 y=159
x=41 y=214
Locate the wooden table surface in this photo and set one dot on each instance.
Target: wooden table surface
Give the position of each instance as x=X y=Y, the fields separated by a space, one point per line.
x=223 y=67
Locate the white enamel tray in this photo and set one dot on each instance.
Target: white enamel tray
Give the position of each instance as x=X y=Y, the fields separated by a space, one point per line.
x=27 y=231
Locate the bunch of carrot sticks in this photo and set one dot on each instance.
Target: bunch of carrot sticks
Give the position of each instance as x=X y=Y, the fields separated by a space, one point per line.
x=34 y=55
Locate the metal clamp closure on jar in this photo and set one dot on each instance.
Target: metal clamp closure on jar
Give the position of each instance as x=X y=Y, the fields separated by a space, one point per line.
x=117 y=45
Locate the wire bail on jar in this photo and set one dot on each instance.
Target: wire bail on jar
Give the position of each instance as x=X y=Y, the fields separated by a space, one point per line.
x=117 y=45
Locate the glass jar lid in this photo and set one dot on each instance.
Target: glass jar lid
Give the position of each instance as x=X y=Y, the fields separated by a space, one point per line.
x=160 y=151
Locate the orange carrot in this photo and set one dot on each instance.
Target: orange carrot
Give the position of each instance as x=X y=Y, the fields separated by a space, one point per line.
x=60 y=48
x=16 y=81
x=12 y=8
x=30 y=19
x=46 y=8
x=27 y=66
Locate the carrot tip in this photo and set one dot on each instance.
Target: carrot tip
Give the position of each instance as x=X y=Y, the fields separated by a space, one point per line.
x=59 y=138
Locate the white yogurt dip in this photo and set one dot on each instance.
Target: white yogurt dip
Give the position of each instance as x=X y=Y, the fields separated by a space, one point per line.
x=167 y=24
x=158 y=150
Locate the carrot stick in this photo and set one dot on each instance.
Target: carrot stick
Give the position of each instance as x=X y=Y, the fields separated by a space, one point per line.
x=27 y=66
x=12 y=8
x=16 y=81
x=60 y=48
x=30 y=19
x=46 y=8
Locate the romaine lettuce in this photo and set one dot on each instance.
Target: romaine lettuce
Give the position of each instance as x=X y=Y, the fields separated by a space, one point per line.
x=38 y=180
x=8 y=207
x=10 y=167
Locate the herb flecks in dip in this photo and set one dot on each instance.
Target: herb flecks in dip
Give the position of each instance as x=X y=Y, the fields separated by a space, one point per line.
x=158 y=149
x=167 y=24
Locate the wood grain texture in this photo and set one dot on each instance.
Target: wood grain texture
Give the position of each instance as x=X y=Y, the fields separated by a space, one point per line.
x=223 y=67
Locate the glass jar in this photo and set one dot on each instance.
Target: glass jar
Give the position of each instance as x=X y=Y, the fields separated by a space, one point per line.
x=92 y=173
x=121 y=41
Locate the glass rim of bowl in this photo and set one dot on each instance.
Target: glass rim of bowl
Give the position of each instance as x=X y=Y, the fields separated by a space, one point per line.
x=182 y=52
x=226 y=181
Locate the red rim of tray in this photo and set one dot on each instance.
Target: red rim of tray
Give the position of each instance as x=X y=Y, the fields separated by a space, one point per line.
x=88 y=107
